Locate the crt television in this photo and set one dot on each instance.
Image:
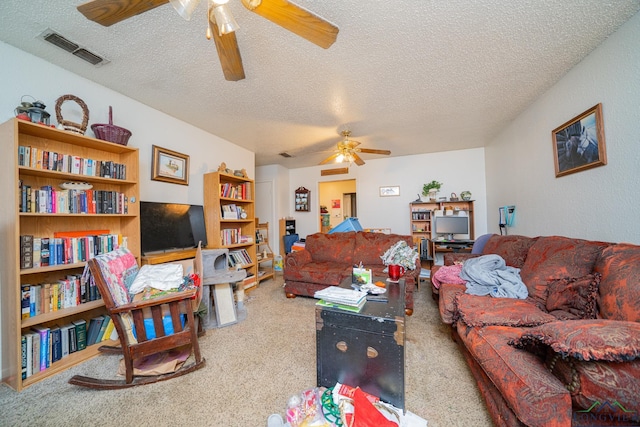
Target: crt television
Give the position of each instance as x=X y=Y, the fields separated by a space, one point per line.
x=171 y=226
x=449 y=225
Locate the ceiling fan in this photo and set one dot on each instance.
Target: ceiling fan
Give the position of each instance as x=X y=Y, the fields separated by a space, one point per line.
x=222 y=26
x=347 y=151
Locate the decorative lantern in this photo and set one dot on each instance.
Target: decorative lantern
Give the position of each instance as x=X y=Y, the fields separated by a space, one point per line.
x=22 y=110
x=37 y=113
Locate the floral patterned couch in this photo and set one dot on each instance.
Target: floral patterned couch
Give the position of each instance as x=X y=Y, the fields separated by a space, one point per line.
x=329 y=258
x=568 y=355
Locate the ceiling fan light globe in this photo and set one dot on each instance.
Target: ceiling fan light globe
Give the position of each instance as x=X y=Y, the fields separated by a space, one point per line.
x=224 y=19
x=185 y=8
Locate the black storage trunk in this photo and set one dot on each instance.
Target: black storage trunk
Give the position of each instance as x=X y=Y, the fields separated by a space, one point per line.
x=363 y=349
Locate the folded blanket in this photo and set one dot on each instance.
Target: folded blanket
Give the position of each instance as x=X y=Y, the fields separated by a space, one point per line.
x=489 y=275
x=447 y=274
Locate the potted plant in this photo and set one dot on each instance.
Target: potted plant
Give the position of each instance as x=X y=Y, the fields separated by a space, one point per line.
x=431 y=189
x=401 y=254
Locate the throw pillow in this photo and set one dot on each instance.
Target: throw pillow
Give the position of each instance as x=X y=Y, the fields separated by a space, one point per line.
x=596 y=385
x=476 y=310
x=556 y=257
x=601 y=339
x=619 y=291
x=576 y=296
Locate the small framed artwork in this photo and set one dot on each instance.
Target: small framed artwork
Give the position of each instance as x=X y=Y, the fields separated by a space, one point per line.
x=579 y=143
x=389 y=191
x=169 y=166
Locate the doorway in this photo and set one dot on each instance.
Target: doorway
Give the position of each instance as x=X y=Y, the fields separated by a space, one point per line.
x=338 y=201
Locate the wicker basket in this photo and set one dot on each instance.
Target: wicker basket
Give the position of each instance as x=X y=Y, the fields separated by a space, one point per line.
x=110 y=132
x=68 y=124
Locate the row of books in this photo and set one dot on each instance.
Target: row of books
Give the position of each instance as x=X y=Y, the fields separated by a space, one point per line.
x=235 y=191
x=239 y=257
x=232 y=211
x=64 y=293
x=65 y=248
x=342 y=298
x=37 y=158
x=47 y=199
x=233 y=236
x=43 y=346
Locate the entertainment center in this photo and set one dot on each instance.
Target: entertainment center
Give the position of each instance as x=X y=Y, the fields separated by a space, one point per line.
x=442 y=226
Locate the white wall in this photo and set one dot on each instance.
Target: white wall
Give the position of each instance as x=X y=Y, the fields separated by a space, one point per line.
x=600 y=203
x=279 y=176
x=457 y=170
x=24 y=74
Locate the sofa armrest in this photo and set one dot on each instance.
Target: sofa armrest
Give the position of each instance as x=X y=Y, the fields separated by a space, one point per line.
x=450 y=258
x=297 y=258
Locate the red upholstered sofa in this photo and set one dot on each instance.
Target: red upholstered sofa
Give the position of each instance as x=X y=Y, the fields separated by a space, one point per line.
x=568 y=355
x=329 y=258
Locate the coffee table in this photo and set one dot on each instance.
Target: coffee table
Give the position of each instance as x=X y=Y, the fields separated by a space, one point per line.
x=364 y=349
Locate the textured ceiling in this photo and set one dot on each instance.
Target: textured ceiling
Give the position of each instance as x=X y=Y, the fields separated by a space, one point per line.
x=412 y=76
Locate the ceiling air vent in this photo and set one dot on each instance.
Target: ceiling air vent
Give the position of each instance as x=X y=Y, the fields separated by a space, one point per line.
x=92 y=58
x=285 y=154
x=63 y=43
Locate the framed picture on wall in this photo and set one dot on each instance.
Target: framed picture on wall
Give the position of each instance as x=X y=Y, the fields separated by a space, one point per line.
x=169 y=166
x=390 y=191
x=579 y=143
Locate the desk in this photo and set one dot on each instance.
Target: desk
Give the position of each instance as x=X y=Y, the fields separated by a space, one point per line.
x=444 y=246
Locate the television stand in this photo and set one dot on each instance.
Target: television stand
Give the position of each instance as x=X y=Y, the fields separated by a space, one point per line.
x=170 y=256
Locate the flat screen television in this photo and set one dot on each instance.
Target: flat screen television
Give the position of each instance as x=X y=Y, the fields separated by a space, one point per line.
x=171 y=226
x=450 y=225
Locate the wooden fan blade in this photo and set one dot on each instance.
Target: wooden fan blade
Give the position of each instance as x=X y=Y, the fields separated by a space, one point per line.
x=296 y=19
x=373 y=151
x=357 y=159
x=109 y=12
x=329 y=159
x=229 y=54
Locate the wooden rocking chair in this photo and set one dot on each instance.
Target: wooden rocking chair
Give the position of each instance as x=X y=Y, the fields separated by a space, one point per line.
x=112 y=272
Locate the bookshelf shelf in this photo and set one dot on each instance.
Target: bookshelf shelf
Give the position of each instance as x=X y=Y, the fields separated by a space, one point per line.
x=23 y=140
x=60 y=314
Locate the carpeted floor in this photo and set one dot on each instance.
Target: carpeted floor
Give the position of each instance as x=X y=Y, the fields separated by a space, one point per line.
x=253 y=367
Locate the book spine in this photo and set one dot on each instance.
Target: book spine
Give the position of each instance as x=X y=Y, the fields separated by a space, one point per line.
x=23 y=360
x=35 y=352
x=81 y=334
x=29 y=337
x=43 y=332
x=56 y=345
x=26 y=251
x=26 y=301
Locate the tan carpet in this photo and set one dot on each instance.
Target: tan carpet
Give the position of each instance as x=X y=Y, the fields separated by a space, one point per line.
x=252 y=369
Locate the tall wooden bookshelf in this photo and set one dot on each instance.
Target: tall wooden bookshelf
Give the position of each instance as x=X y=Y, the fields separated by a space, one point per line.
x=229 y=216
x=14 y=223
x=264 y=254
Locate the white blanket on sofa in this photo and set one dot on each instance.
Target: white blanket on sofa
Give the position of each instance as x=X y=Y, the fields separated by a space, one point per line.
x=489 y=275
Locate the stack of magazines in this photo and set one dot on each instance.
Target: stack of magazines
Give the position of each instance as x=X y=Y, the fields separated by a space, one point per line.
x=345 y=299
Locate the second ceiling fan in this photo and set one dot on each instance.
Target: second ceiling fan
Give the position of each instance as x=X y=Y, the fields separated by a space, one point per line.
x=347 y=151
x=289 y=16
